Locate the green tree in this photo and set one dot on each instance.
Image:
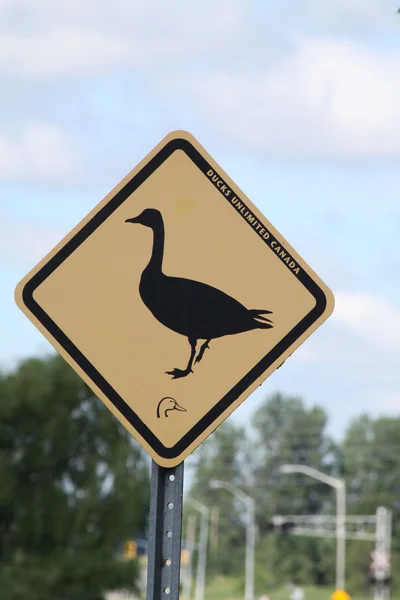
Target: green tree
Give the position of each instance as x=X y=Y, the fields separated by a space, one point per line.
x=371 y=457
x=286 y=431
x=289 y=432
x=371 y=461
x=219 y=458
x=73 y=485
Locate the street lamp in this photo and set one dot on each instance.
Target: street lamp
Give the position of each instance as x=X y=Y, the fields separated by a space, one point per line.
x=189 y=545
x=202 y=548
x=340 y=488
x=250 y=531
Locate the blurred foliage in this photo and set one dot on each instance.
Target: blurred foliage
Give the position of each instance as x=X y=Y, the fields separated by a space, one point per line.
x=220 y=459
x=371 y=467
x=72 y=485
x=286 y=430
x=289 y=432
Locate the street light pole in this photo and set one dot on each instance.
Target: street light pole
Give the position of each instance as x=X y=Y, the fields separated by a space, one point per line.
x=340 y=488
x=340 y=534
x=202 y=548
x=250 y=532
x=189 y=545
x=250 y=545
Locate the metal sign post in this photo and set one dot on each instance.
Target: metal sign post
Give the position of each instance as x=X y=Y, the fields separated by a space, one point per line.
x=165 y=531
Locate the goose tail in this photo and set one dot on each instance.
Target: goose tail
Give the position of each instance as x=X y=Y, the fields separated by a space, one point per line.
x=260 y=319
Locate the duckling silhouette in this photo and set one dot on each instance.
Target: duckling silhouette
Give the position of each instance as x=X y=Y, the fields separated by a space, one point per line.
x=169 y=404
x=191 y=308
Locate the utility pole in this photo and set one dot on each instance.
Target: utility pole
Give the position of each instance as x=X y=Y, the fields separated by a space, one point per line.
x=189 y=545
x=201 y=548
x=214 y=526
x=381 y=567
x=250 y=532
x=340 y=488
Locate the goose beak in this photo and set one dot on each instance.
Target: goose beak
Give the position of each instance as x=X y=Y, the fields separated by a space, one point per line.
x=180 y=408
x=133 y=220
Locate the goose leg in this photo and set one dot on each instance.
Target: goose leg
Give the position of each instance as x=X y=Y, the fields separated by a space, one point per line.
x=177 y=373
x=202 y=350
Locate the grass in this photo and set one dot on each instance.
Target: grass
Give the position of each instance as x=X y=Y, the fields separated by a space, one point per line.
x=223 y=588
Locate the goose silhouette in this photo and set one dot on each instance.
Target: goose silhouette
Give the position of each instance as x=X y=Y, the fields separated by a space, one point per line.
x=191 y=308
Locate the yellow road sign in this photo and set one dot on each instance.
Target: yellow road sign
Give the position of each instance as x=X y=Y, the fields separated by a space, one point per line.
x=174 y=298
x=185 y=556
x=130 y=549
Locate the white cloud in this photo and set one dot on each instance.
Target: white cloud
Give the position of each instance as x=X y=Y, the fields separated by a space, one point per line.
x=374 y=319
x=87 y=38
x=355 y=13
x=60 y=52
x=41 y=152
x=328 y=99
x=77 y=38
x=363 y=333
x=301 y=81
x=350 y=365
x=25 y=242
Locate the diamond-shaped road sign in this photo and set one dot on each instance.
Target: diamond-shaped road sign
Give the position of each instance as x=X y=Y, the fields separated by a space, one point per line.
x=174 y=298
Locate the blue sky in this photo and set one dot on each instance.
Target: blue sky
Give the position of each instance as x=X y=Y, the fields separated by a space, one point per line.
x=298 y=102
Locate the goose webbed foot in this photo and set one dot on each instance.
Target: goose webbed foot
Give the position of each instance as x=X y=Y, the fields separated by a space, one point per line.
x=204 y=347
x=178 y=373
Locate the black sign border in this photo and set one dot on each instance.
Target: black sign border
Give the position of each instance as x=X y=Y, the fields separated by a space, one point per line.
x=91 y=371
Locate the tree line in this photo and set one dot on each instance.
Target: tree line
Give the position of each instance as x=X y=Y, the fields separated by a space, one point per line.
x=74 y=486
x=285 y=430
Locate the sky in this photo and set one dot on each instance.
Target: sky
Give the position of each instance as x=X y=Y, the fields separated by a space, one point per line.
x=299 y=102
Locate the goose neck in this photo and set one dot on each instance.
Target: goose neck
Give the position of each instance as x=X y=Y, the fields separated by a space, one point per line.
x=158 y=248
